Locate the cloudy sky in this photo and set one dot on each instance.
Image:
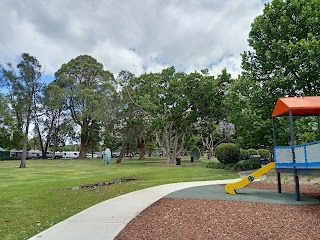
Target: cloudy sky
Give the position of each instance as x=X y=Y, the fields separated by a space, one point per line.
x=135 y=35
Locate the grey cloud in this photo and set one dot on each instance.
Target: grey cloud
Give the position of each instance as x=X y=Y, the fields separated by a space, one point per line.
x=185 y=33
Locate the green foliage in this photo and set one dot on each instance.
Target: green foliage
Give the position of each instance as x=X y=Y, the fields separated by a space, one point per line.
x=252 y=128
x=23 y=85
x=246 y=165
x=219 y=165
x=90 y=94
x=264 y=153
x=9 y=134
x=227 y=153
x=8 y=158
x=7 y=139
x=286 y=43
x=216 y=165
x=253 y=151
x=243 y=165
x=244 y=154
x=177 y=101
x=307 y=137
x=306 y=129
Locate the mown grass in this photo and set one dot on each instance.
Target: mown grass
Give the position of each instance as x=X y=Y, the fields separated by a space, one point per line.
x=34 y=198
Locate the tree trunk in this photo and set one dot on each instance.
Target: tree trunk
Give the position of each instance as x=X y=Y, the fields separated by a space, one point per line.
x=24 y=153
x=180 y=146
x=44 y=151
x=208 y=144
x=49 y=136
x=167 y=134
x=56 y=129
x=119 y=159
x=210 y=151
x=165 y=152
x=141 y=152
x=141 y=143
x=25 y=143
x=169 y=142
x=84 y=140
x=83 y=149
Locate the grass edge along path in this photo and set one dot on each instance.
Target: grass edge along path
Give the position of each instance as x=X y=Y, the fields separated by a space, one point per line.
x=39 y=196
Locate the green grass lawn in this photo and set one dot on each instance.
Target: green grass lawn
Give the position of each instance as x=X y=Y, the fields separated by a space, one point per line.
x=34 y=198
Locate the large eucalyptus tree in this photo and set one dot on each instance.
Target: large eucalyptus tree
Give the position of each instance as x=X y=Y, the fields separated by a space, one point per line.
x=89 y=91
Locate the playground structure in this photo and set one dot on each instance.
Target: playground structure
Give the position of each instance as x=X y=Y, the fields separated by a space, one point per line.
x=302 y=159
x=231 y=187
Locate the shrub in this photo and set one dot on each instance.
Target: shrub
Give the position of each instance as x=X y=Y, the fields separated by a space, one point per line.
x=216 y=165
x=245 y=165
x=227 y=153
x=228 y=166
x=244 y=154
x=219 y=165
x=253 y=151
x=264 y=153
x=9 y=158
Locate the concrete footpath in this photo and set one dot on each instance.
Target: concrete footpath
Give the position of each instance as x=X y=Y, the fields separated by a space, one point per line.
x=105 y=220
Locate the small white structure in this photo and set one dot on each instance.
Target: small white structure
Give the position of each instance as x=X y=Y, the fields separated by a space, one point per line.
x=70 y=154
x=94 y=155
x=15 y=153
x=33 y=154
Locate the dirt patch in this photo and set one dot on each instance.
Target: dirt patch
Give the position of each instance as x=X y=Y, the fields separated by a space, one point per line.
x=165 y=163
x=103 y=184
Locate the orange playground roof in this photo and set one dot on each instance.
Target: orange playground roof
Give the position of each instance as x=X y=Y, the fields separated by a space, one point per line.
x=300 y=106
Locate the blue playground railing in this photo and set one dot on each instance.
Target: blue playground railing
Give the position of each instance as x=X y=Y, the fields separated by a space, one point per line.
x=306 y=155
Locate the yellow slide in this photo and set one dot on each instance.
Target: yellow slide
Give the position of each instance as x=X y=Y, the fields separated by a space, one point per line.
x=231 y=187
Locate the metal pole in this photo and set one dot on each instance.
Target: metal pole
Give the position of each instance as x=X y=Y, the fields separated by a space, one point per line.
x=319 y=127
x=279 y=182
x=296 y=177
x=297 y=186
x=274 y=131
x=292 y=136
x=275 y=143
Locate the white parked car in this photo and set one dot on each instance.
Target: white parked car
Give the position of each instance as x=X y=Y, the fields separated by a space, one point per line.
x=70 y=154
x=90 y=155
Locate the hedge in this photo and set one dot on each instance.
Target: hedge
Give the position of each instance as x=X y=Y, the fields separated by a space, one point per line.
x=240 y=166
x=227 y=153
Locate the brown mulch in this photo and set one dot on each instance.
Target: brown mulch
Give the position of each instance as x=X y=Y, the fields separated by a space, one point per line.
x=216 y=219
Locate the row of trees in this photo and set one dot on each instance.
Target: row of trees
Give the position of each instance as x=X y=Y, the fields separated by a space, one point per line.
x=170 y=109
x=128 y=111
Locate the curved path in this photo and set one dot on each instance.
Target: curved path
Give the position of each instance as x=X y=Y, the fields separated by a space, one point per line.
x=106 y=219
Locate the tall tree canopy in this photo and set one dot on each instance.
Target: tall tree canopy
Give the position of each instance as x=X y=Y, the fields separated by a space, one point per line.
x=284 y=61
x=285 y=57
x=163 y=96
x=50 y=117
x=23 y=85
x=9 y=136
x=89 y=91
x=178 y=103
